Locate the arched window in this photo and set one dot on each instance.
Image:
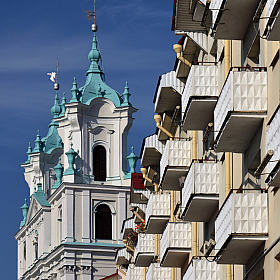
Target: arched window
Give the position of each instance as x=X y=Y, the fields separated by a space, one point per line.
x=99 y=163
x=103 y=222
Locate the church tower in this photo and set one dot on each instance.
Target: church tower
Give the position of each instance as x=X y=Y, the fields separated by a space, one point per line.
x=79 y=183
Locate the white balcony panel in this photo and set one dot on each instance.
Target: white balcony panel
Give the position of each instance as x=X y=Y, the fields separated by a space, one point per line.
x=128 y=226
x=123 y=257
x=201 y=269
x=157 y=213
x=175 y=244
x=200 y=39
x=272 y=31
x=273 y=143
x=169 y=92
x=144 y=250
x=134 y=273
x=200 y=192
x=174 y=163
x=200 y=96
x=231 y=20
x=240 y=110
x=152 y=151
x=156 y=272
x=241 y=226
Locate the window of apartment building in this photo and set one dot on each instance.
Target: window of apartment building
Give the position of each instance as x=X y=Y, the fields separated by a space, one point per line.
x=103 y=222
x=99 y=163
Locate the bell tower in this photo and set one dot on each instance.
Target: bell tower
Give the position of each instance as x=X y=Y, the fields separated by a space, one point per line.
x=79 y=182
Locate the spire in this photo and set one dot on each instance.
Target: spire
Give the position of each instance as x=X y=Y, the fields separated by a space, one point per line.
x=126 y=95
x=62 y=105
x=29 y=151
x=56 y=109
x=38 y=144
x=94 y=56
x=24 y=209
x=75 y=92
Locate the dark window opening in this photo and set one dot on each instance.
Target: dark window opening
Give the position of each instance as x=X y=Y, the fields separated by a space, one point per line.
x=99 y=163
x=103 y=222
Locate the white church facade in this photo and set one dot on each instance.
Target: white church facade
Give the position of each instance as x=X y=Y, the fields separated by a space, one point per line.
x=79 y=184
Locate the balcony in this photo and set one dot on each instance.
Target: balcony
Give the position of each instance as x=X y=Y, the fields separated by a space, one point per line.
x=200 y=194
x=157 y=213
x=134 y=273
x=174 y=163
x=241 y=227
x=151 y=151
x=240 y=109
x=231 y=18
x=272 y=30
x=127 y=226
x=175 y=244
x=123 y=257
x=184 y=17
x=156 y=272
x=168 y=92
x=153 y=173
x=200 y=95
x=168 y=125
x=202 y=269
x=144 y=250
x=272 y=143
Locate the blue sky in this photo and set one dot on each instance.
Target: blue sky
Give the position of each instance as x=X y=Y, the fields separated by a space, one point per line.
x=136 y=46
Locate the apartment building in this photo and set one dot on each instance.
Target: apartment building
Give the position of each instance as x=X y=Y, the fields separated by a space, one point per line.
x=206 y=204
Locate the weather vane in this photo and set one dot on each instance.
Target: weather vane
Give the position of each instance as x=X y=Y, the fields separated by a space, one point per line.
x=54 y=77
x=91 y=14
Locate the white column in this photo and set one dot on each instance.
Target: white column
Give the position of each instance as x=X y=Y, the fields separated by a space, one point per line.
x=121 y=211
x=68 y=215
x=86 y=216
x=53 y=227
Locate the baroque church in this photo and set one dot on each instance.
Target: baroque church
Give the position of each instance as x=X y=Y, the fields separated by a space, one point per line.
x=79 y=183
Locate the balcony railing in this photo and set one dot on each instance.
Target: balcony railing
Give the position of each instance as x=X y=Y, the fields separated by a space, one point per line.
x=240 y=109
x=175 y=244
x=168 y=93
x=144 y=250
x=273 y=143
x=272 y=21
x=157 y=213
x=200 y=192
x=235 y=16
x=241 y=227
x=200 y=95
x=199 y=269
x=123 y=257
x=156 y=272
x=152 y=151
x=134 y=273
x=174 y=163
